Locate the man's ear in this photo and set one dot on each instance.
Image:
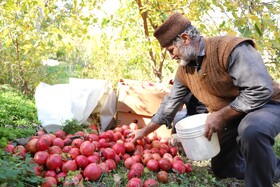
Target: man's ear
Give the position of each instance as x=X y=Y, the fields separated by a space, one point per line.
x=186 y=38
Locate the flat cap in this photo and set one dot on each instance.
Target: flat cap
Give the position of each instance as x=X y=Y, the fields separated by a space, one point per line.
x=175 y=24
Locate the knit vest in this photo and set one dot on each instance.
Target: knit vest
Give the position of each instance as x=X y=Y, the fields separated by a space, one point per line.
x=213 y=86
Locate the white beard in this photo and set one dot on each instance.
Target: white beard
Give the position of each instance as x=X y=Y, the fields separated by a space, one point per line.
x=188 y=53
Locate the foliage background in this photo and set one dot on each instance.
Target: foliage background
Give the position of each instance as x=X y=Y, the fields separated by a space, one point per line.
x=90 y=42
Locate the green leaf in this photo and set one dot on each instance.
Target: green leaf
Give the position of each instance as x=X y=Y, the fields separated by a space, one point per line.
x=258 y=29
x=59 y=36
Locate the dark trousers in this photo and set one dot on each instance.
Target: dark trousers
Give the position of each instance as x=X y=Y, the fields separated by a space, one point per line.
x=247 y=148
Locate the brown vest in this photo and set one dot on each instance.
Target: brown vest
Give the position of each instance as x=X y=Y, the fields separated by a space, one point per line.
x=213 y=86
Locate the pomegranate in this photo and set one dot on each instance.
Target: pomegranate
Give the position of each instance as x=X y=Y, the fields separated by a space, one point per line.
x=66 y=149
x=74 y=152
x=129 y=147
x=92 y=137
x=108 y=153
x=137 y=158
x=51 y=137
x=93 y=159
x=111 y=164
x=178 y=166
x=55 y=150
x=156 y=144
x=126 y=132
x=146 y=157
x=173 y=151
x=129 y=162
x=104 y=167
x=81 y=161
x=92 y=172
x=50 y=173
x=69 y=165
x=165 y=164
x=153 y=165
x=40 y=133
x=138 y=166
x=125 y=156
x=150 y=183
x=43 y=143
x=30 y=146
x=178 y=158
x=60 y=134
x=37 y=170
x=156 y=156
x=54 y=162
x=134 y=182
x=119 y=149
x=162 y=177
x=118 y=129
x=41 y=157
x=117 y=159
x=110 y=135
x=188 y=167
x=133 y=173
x=87 y=148
x=20 y=151
x=49 y=182
x=77 y=142
x=103 y=143
x=118 y=136
x=58 y=142
x=168 y=156
x=80 y=133
x=141 y=141
x=9 y=148
x=67 y=141
x=60 y=177
x=133 y=126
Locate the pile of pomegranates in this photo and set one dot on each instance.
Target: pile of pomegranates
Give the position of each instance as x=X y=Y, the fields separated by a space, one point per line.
x=92 y=154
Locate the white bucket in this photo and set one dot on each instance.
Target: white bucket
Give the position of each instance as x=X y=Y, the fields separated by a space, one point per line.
x=190 y=132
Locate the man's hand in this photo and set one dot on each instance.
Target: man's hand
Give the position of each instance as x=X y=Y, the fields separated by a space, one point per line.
x=217 y=121
x=141 y=133
x=136 y=135
x=214 y=123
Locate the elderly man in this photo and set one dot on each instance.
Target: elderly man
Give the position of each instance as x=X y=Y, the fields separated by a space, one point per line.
x=227 y=74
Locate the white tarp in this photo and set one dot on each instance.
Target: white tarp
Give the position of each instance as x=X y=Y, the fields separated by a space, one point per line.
x=75 y=100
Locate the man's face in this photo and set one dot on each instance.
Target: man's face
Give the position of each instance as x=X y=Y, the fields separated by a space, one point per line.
x=183 y=52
